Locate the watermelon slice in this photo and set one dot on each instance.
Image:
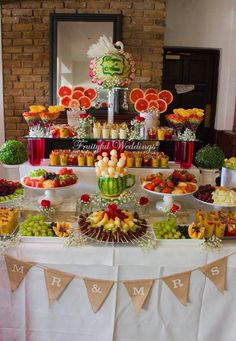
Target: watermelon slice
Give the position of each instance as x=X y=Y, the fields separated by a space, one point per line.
x=77 y=94
x=151 y=91
x=136 y=94
x=162 y=105
x=64 y=91
x=151 y=97
x=153 y=104
x=90 y=93
x=85 y=102
x=141 y=105
x=80 y=88
x=166 y=95
x=74 y=104
x=65 y=101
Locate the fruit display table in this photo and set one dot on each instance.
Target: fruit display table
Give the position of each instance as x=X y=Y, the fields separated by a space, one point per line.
x=208 y=315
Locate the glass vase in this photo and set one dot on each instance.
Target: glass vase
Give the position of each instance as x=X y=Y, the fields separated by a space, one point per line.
x=186 y=154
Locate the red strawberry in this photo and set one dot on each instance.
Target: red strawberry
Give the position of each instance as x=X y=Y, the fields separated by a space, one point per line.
x=157 y=181
x=62 y=171
x=170 y=183
x=161 y=184
x=166 y=190
x=149 y=186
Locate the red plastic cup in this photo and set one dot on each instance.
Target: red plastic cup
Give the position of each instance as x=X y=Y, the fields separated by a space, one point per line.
x=186 y=157
x=35 y=151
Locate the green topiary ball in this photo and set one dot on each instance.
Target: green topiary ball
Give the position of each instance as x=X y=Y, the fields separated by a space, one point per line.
x=211 y=157
x=13 y=152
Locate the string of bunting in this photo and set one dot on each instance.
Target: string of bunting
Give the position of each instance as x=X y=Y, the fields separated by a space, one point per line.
x=98 y=290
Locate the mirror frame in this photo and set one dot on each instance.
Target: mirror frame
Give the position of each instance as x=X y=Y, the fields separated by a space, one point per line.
x=55 y=18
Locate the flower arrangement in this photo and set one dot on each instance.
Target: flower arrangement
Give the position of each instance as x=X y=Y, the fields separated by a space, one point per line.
x=137 y=128
x=85 y=122
x=46 y=207
x=85 y=203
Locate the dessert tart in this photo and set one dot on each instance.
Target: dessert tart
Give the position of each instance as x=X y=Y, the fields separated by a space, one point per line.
x=113 y=225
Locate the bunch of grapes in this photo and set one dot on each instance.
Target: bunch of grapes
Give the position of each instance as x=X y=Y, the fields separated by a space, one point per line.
x=204 y=193
x=166 y=229
x=50 y=176
x=35 y=226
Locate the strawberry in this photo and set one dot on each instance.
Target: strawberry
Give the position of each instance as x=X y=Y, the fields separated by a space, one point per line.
x=166 y=190
x=161 y=184
x=62 y=171
x=170 y=183
x=157 y=181
x=149 y=186
x=56 y=182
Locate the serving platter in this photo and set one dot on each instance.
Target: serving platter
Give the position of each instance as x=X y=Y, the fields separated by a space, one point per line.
x=50 y=194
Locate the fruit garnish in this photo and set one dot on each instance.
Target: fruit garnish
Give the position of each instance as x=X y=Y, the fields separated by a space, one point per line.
x=166 y=95
x=141 y=105
x=64 y=91
x=91 y=93
x=85 y=102
x=162 y=105
x=136 y=94
x=77 y=94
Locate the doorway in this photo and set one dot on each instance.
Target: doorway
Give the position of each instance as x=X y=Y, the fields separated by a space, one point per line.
x=191 y=74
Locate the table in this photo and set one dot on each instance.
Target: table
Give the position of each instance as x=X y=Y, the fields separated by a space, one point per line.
x=25 y=315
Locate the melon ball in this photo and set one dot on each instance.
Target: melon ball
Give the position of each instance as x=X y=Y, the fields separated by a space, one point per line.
x=113 y=158
x=123 y=156
x=100 y=163
x=104 y=173
x=111 y=163
x=120 y=163
x=106 y=159
x=99 y=157
x=113 y=152
x=104 y=154
x=111 y=170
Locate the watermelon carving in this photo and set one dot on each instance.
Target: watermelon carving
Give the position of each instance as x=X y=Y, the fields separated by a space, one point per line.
x=135 y=94
x=64 y=91
x=166 y=95
x=113 y=187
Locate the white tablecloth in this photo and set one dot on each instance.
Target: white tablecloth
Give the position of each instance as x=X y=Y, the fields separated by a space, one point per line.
x=25 y=315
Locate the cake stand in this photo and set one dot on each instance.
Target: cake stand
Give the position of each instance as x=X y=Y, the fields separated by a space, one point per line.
x=50 y=194
x=168 y=199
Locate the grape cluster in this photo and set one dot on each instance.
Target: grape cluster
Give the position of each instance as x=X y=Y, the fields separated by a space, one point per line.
x=35 y=226
x=50 y=176
x=7 y=187
x=167 y=229
x=204 y=193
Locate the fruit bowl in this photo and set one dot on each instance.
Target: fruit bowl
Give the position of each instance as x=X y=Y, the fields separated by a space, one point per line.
x=178 y=184
x=50 y=194
x=50 y=183
x=10 y=192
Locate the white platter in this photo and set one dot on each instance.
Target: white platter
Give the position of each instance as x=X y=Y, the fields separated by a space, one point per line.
x=44 y=240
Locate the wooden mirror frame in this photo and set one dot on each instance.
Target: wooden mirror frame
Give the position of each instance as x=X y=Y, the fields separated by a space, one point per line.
x=116 y=19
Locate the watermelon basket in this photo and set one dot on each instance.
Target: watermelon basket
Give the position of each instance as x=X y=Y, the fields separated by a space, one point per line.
x=114 y=187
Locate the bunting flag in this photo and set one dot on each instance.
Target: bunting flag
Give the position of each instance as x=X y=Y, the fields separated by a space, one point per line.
x=56 y=283
x=216 y=272
x=179 y=285
x=98 y=291
x=138 y=292
x=17 y=271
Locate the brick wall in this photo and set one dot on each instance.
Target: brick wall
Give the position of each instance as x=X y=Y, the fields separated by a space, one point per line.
x=25 y=41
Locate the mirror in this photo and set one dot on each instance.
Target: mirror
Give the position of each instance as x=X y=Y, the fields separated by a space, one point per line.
x=71 y=35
